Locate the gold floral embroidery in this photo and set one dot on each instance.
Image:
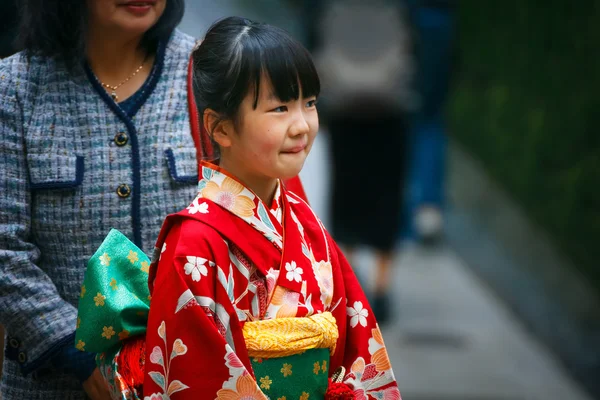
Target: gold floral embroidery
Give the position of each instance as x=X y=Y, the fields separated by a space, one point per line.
x=362 y=378
x=245 y=388
x=124 y=334
x=145 y=267
x=113 y=284
x=287 y=299
x=78 y=323
x=379 y=355
x=99 y=299
x=317 y=368
x=286 y=370
x=82 y=291
x=324 y=367
x=132 y=257
x=323 y=273
x=105 y=260
x=304 y=396
x=265 y=383
x=228 y=196
x=282 y=398
x=293 y=335
x=108 y=332
x=80 y=345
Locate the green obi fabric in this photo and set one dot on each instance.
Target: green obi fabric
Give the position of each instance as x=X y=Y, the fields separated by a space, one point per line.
x=290 y=356
x=114 y=304
x=301 y=376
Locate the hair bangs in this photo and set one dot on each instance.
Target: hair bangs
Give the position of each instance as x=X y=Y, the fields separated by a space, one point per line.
x=287 y=65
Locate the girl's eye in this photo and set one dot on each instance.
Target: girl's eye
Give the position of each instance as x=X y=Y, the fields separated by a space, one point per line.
x=311 y=103
x=280 y=109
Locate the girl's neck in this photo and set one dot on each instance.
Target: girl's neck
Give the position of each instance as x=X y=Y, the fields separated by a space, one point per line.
x=263 y=187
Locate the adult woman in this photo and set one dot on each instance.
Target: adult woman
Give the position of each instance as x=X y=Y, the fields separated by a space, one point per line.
x=94 y=134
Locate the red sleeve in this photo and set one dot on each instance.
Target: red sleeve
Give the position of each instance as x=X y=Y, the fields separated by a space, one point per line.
x=192 y=326
x=363 y=354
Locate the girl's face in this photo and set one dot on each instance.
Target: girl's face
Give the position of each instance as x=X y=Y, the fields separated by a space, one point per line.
x=273 y=140
x=125 y=17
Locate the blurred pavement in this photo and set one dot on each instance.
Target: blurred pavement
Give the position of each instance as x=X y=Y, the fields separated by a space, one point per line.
x=451 y=339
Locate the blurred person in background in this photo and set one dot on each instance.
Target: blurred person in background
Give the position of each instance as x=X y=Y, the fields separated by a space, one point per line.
x=433 y=22
x=94 y=134
x=363 y=53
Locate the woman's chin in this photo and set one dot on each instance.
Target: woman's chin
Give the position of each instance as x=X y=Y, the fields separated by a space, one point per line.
x=132 y=25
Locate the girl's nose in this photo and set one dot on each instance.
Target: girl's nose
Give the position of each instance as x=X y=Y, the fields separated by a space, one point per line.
x=300 y=126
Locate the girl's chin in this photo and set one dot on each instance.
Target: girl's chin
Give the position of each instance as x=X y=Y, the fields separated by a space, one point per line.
x=290 y=172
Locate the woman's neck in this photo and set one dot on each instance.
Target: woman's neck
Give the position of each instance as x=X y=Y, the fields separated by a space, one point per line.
x=113 y=59
x=263 y=187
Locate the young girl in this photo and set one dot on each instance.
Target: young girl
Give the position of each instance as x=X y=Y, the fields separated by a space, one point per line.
x=250 y=296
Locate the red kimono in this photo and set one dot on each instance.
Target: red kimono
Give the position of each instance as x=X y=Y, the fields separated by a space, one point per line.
x=229 y=259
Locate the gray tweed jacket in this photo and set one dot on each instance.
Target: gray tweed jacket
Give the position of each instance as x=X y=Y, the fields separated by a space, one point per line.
x=73 y=165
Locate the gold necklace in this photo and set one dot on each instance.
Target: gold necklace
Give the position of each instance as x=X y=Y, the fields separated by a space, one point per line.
x=114 y=88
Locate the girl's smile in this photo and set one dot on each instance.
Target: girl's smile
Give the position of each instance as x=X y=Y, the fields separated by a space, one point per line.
x=295 y=150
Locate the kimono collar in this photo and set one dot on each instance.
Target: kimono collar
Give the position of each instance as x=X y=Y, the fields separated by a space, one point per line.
x=222 y=188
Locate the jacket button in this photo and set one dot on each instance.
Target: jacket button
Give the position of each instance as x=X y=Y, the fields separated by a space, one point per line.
x=121 y=139
x=123 y=190
x=22 y=357
x=14 y=343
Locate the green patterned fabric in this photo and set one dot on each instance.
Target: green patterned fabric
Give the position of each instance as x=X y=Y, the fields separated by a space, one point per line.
x=298 y=377
x=114 y=305
x=115 y=298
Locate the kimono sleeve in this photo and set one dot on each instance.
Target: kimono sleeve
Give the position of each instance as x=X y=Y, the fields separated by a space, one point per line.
x=363 y=355
x=193 y=332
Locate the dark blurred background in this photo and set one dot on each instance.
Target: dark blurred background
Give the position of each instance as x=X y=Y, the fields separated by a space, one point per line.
x=524 y=102
x=8 y=27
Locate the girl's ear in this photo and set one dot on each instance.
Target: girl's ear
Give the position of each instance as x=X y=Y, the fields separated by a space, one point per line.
x=218 y=129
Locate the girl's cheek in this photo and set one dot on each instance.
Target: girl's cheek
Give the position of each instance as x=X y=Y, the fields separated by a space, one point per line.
x=271 y=141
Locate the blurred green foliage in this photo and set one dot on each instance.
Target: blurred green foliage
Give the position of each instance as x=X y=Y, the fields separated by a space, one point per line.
x=526 y=101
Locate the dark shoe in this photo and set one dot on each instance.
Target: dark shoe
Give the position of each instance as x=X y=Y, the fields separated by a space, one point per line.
x=429 y=225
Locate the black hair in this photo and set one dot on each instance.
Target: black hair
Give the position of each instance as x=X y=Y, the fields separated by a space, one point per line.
x=59 y=27
x=234 y=55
